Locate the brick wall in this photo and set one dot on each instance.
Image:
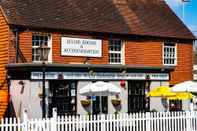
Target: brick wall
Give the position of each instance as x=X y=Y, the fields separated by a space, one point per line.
x=145 y=53
x=25 y=41
x=142 y=53
x=184 y=68
x=25 y=47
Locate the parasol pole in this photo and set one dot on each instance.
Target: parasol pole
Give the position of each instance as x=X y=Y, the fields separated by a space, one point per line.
x=91 y=108
x=100 y=104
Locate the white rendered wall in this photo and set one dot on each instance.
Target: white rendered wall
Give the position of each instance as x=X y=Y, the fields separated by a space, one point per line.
x=27 y=97
x=157 y=103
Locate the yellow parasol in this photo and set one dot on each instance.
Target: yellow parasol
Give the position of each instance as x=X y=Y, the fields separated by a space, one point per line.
x=181 y=96
x=165 y=91
x=161 y=91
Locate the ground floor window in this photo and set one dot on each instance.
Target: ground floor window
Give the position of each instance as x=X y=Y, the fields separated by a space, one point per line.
x=99 y=104
x=175 y=105
x=63 y=97
x=137 y=100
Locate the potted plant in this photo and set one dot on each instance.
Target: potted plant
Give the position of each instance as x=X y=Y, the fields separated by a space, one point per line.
x=116 y=102
x=85 y=103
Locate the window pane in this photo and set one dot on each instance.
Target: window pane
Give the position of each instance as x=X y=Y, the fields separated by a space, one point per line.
x=37 y=41
x=115 y=51
x=169 y=54
x=111 y=47
x=118 y=47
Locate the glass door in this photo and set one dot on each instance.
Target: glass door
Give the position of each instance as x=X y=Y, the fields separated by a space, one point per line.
x=137 y=100
x=99 y=104
x=63 y=97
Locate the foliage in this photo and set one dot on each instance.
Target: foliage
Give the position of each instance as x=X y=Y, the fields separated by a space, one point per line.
x=85 y=103
x=116 y=102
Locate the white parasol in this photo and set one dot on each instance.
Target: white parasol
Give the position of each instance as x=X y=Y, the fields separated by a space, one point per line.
x=99 y=88
x=186 y=86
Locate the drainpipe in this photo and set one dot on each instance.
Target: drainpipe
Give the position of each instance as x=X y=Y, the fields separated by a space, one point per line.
x=15 y=30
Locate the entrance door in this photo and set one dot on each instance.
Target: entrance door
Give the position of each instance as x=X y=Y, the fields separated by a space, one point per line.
x=63 y=97
x=100 y=104
x=137 y=100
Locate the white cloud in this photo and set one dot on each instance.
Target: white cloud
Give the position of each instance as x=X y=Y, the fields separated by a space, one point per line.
x=174 y=3
x=193 y=28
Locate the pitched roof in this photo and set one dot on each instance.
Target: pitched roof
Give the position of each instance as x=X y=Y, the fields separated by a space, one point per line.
x=134 y=17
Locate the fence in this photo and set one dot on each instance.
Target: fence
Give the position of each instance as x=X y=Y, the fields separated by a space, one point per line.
x=150 y=121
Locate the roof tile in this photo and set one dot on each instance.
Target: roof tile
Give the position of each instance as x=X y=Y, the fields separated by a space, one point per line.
x=138 y=17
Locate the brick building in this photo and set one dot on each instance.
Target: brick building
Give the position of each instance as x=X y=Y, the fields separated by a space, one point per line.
x=133 y=44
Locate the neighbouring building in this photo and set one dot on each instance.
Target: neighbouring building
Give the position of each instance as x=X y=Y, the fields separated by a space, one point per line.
x=134 y=44
x=195 y=61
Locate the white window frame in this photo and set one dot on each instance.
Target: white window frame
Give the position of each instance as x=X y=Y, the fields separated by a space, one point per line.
x=49 y=44
x=175 y=55
x=121 y=52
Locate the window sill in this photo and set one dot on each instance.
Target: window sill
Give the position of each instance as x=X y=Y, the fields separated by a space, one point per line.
x=115 y=63
x=40 y=62
x=169 y=65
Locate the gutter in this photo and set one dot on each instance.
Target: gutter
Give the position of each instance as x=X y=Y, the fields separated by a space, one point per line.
x=57 y=66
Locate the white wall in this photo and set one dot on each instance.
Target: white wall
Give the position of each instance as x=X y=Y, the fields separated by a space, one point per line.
x=157 y=103
x=80 y=108
x=27 y=97
x=20 y=96
x=123 y=108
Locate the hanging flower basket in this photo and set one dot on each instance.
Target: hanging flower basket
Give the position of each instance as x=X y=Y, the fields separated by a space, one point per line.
x=85 y=103
x=116 y=102
x=40 y=95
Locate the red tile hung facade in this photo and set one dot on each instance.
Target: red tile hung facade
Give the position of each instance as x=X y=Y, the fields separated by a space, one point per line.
x=139 y=53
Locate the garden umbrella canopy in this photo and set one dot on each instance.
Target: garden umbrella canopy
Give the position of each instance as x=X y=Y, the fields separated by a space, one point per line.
x=187 y=86
x=99 y=88
x=181 y=96
x=161 y=91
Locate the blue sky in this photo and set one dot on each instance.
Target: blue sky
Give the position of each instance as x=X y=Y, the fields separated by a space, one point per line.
x=190 y=12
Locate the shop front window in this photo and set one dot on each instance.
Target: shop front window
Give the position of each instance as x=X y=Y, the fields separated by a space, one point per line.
x=175 y=105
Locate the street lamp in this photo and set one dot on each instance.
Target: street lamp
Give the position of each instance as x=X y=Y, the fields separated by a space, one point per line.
x=44 y=52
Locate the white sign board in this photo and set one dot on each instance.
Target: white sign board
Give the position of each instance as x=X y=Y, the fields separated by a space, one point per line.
x=100 y=76
x=81 y=47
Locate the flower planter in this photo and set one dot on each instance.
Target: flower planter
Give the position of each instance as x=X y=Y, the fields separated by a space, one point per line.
x=116 y=102
x=85 y=103
x=40 y=95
